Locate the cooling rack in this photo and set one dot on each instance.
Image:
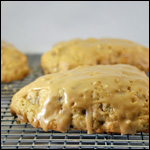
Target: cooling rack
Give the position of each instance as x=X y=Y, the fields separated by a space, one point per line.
x=24 y=136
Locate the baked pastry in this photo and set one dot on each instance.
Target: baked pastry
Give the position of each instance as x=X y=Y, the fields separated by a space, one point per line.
x=101 y=98
x=13 y=63
x=68 y=55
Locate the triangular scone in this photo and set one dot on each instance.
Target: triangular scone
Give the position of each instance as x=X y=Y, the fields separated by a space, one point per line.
x=102 y=98
x=70 y=54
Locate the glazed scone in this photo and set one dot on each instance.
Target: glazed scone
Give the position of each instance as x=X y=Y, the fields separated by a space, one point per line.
x=101 y=98
x=68 y=55
x=13 y=63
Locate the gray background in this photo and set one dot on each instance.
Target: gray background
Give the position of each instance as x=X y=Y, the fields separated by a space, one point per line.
x=34 y=27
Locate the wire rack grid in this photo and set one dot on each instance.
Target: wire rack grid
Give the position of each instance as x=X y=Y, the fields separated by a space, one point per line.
x=24 y=136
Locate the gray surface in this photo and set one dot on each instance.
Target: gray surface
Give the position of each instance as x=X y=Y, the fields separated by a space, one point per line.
x=14 y=135
x=34 y=27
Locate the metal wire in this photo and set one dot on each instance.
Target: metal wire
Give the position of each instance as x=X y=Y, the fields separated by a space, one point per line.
x=17 y=136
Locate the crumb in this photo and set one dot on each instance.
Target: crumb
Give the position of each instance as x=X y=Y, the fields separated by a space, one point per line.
x=14 y=90
x=5 y=88
x=35 y=72
x=10 y=86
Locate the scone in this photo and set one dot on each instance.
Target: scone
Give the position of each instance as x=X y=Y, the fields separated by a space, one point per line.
x=13 y=63
x=68 y=55
x=101 y=98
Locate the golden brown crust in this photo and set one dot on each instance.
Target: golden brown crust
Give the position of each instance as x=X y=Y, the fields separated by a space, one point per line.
x=13 y=63
x=116 y=95
x=99 y=130
x=68 y=55
x=114 y=129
